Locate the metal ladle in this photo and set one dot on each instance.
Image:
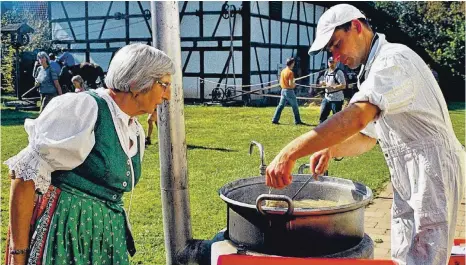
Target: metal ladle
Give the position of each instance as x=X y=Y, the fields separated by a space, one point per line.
x=301 y=171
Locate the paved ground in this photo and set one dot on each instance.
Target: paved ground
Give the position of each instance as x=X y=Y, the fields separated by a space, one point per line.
x=377 y=222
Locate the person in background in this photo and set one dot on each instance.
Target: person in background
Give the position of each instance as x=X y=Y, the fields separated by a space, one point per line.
x=66 y=73
x=287 y=83
x=400 y=106
x=85 y=151
x=54 y=64
x=334 y=83
x=151 y=119
x=78 y=84
x=66 y=59
x=46 y=80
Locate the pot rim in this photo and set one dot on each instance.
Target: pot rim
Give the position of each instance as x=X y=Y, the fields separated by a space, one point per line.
x=301 y=178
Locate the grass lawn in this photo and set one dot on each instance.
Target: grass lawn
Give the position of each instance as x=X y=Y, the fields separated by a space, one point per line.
x=218 y=142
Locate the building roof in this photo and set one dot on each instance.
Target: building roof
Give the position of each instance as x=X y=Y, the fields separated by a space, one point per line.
x=17 y=27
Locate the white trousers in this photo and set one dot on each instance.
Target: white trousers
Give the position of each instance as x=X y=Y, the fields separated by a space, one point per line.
x=428 y=184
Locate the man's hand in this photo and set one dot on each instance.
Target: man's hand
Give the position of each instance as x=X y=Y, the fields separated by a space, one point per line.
x=319 y=162
x=278 y=173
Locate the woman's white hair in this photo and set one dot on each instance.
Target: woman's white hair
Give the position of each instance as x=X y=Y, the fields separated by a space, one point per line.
x=43 y=55
x=136 y=67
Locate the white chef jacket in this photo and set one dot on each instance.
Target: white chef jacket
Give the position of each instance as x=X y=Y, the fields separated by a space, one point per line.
x=425 y=159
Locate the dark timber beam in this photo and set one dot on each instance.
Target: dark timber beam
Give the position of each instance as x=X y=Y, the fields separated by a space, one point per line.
x=297 y=26
x=201 y=19
x=258 y=67
x=88 y=45
x=270 y=49
x=68 y=20
x=127 y=22
x=145 y=19
x=202 y=75
x=307 y=28
x=58 y=20
x=276 y=46
x=105 y=20
x=246 y=43
x=212 y=75
x=260 y=21
x=187 y=61
x=183 y=9
x=49 y=16
x=211 y=49
x=220 y=14
x=100 y=40
x=289 y=24
x=287 y=20
x=217 y=38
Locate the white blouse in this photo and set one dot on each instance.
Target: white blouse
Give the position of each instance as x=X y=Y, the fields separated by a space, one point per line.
x=62 y=137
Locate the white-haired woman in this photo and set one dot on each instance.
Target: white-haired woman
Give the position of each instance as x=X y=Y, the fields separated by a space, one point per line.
x=84 y=152
x=46 y=80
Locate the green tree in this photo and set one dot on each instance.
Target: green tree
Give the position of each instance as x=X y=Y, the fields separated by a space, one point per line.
x=438 y=27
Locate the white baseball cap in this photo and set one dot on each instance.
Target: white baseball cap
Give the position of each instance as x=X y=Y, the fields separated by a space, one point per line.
x=336 y=16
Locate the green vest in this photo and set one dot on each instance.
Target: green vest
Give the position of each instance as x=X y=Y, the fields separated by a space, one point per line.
x=106 y=172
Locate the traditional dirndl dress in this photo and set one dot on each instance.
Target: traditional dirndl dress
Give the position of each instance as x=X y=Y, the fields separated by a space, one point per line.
x=80 y=218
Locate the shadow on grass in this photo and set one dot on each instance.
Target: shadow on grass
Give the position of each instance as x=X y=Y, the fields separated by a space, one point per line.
x=12 y=117
x=190 y=147
x=456 y=105
x=302 y=124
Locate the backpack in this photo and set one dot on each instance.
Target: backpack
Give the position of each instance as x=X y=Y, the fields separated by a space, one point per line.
x=335 y=78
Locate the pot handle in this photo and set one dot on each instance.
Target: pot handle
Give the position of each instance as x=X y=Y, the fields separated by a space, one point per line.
x=274 y=197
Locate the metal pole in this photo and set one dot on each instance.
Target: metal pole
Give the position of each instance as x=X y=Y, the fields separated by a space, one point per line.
x=17 y=73
x=172 y=139
x=153 y=24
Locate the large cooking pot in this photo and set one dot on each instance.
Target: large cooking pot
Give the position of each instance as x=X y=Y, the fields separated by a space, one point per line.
x=291 y=231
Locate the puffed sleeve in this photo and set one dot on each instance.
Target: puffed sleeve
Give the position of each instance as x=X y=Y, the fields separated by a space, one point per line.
x=59 y=139
x=388 y=86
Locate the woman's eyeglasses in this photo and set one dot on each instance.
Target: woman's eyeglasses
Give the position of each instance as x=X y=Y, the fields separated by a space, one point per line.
x=164 y=85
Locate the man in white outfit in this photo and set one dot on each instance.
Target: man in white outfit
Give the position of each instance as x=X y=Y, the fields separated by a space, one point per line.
x=401 y=107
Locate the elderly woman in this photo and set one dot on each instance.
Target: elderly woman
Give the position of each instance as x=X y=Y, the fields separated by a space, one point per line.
x=46 y=80
x=81 y=171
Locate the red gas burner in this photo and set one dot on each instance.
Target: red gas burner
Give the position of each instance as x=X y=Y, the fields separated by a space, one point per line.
x=236 y=259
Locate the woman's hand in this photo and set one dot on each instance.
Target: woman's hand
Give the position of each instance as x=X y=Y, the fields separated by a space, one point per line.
x=319 y=161
x=278 y=173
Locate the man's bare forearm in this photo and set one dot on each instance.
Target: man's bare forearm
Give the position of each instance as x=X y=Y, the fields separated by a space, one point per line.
x=335 y=130
x=353 y=146
x=336 y=88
